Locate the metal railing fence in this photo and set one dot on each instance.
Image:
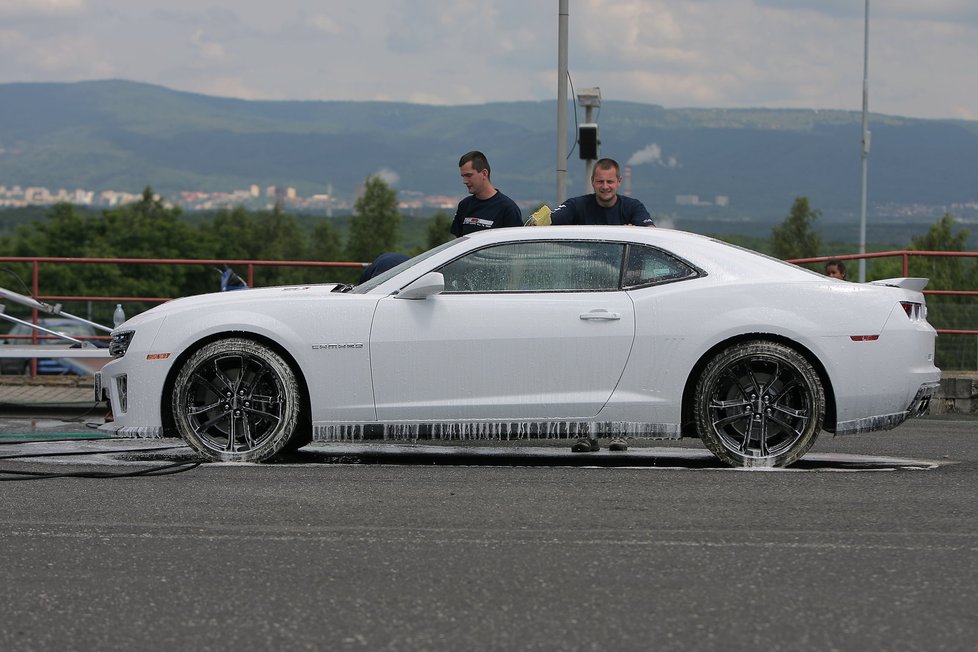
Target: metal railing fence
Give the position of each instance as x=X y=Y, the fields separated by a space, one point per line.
x=953 y=311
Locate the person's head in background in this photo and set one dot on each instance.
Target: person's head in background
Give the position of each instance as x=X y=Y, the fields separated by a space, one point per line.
x=836 y=269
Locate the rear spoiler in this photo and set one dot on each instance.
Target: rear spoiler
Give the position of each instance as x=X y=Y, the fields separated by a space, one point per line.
x=907 y=283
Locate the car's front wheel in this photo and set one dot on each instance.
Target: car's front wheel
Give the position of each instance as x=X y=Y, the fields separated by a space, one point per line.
x=236 y=400
x=759 y=403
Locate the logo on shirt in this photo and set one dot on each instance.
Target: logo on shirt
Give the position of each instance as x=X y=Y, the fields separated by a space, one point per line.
x=475 y=221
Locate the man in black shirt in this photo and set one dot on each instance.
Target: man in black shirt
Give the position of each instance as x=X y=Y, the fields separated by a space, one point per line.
x=604 y=205
x=485 y=207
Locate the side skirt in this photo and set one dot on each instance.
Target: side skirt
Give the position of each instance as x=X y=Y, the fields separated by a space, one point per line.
x=490 y=431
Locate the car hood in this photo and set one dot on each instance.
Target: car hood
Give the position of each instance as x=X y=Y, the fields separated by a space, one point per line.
x=231 y=299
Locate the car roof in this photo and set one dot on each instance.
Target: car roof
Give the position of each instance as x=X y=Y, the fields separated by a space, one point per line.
x=708 y=253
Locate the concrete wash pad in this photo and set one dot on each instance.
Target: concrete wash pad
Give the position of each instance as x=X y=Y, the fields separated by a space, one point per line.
x=59 y=449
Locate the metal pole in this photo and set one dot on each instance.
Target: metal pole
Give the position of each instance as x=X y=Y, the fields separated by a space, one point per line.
x=865 y=149
x=589 y=163
x=562 y=20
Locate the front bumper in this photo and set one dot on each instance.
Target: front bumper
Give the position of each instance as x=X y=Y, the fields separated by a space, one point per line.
x=121 y=394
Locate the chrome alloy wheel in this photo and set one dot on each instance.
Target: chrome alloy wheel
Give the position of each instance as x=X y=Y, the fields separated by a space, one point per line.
x=236 y=400
x=759 y=404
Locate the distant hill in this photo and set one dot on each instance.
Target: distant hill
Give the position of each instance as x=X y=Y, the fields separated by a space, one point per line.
x=122 y=135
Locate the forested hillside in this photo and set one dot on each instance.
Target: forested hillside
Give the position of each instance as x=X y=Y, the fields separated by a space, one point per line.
x=124 y=136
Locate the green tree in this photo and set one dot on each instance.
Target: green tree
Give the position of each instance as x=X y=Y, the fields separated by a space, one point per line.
x=439 y=230
x=279 y=237
x=944 y=272
x=265 y=235
x=144 y=229
x=795 y=237
x=376 y=224
x=63 y=231
x=231 y=234
x=326 y=245
x=148 y=229
x=948 y=273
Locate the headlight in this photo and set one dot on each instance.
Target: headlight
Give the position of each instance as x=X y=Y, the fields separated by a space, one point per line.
x=120 y=343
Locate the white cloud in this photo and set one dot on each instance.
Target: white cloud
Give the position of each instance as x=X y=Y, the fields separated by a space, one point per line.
x=323 y=24
x=68 y=58
x=388 y=176
x=205 y=47
x=28 y=8
x=228 y=87
x=696 y=53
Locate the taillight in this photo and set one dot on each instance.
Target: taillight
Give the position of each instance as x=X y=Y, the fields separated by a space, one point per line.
x=915 y=311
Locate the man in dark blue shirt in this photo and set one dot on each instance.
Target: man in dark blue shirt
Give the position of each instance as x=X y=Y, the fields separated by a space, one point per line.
x=604 y=205
x=485 y=207
x=381 y=264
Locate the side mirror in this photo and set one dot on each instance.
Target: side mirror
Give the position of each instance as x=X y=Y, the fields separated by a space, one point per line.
x=429 y=284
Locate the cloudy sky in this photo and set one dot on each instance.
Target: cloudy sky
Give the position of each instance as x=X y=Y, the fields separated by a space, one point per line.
x=676 y=53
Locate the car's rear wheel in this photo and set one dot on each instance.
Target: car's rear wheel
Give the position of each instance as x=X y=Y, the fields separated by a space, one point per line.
x=759 y=403
x=236 y=400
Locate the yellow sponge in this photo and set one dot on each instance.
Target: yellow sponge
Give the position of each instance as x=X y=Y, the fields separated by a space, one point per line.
x=541 y=217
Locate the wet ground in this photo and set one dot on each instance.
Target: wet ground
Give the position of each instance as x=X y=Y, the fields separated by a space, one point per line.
x=68 y=435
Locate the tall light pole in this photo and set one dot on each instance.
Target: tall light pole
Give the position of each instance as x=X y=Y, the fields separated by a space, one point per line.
x=562 y=20
x=865 y=150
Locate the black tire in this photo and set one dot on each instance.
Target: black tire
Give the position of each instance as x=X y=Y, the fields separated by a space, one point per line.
x=759 y=403
x=15 y=367
x=236 y=400
x=301 y=437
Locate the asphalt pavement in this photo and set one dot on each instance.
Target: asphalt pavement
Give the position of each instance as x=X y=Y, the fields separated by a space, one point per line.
x=871 y=544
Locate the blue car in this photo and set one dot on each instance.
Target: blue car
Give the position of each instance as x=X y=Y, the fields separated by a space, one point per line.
x=47 y=366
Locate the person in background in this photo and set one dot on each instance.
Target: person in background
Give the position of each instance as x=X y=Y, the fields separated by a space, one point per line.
x=485 y=207
x=604 y=205
x=836 y=269
x=382 y=263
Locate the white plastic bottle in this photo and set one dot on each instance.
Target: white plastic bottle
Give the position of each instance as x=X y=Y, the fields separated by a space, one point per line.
x=119 y=316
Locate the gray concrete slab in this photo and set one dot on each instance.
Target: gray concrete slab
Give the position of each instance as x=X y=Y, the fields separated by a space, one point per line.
x=432 y=556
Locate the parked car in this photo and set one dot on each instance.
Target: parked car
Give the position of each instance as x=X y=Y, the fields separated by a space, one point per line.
x=62 y=366
x=544 y=332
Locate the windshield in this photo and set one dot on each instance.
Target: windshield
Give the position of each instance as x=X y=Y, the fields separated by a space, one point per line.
x=370 y=284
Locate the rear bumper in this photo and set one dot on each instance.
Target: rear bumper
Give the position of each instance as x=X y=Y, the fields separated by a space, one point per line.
x=918 y=406
x=921 y=402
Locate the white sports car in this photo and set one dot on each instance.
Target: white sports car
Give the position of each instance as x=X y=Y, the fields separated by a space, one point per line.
x=526 y=333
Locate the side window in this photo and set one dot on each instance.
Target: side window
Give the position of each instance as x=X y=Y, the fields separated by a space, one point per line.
x=646 y=266
x=539 y=266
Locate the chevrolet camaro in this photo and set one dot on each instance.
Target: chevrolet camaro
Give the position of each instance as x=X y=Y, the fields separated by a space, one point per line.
x=553 y=332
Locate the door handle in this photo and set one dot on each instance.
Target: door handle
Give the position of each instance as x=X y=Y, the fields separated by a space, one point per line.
x=601 y=315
